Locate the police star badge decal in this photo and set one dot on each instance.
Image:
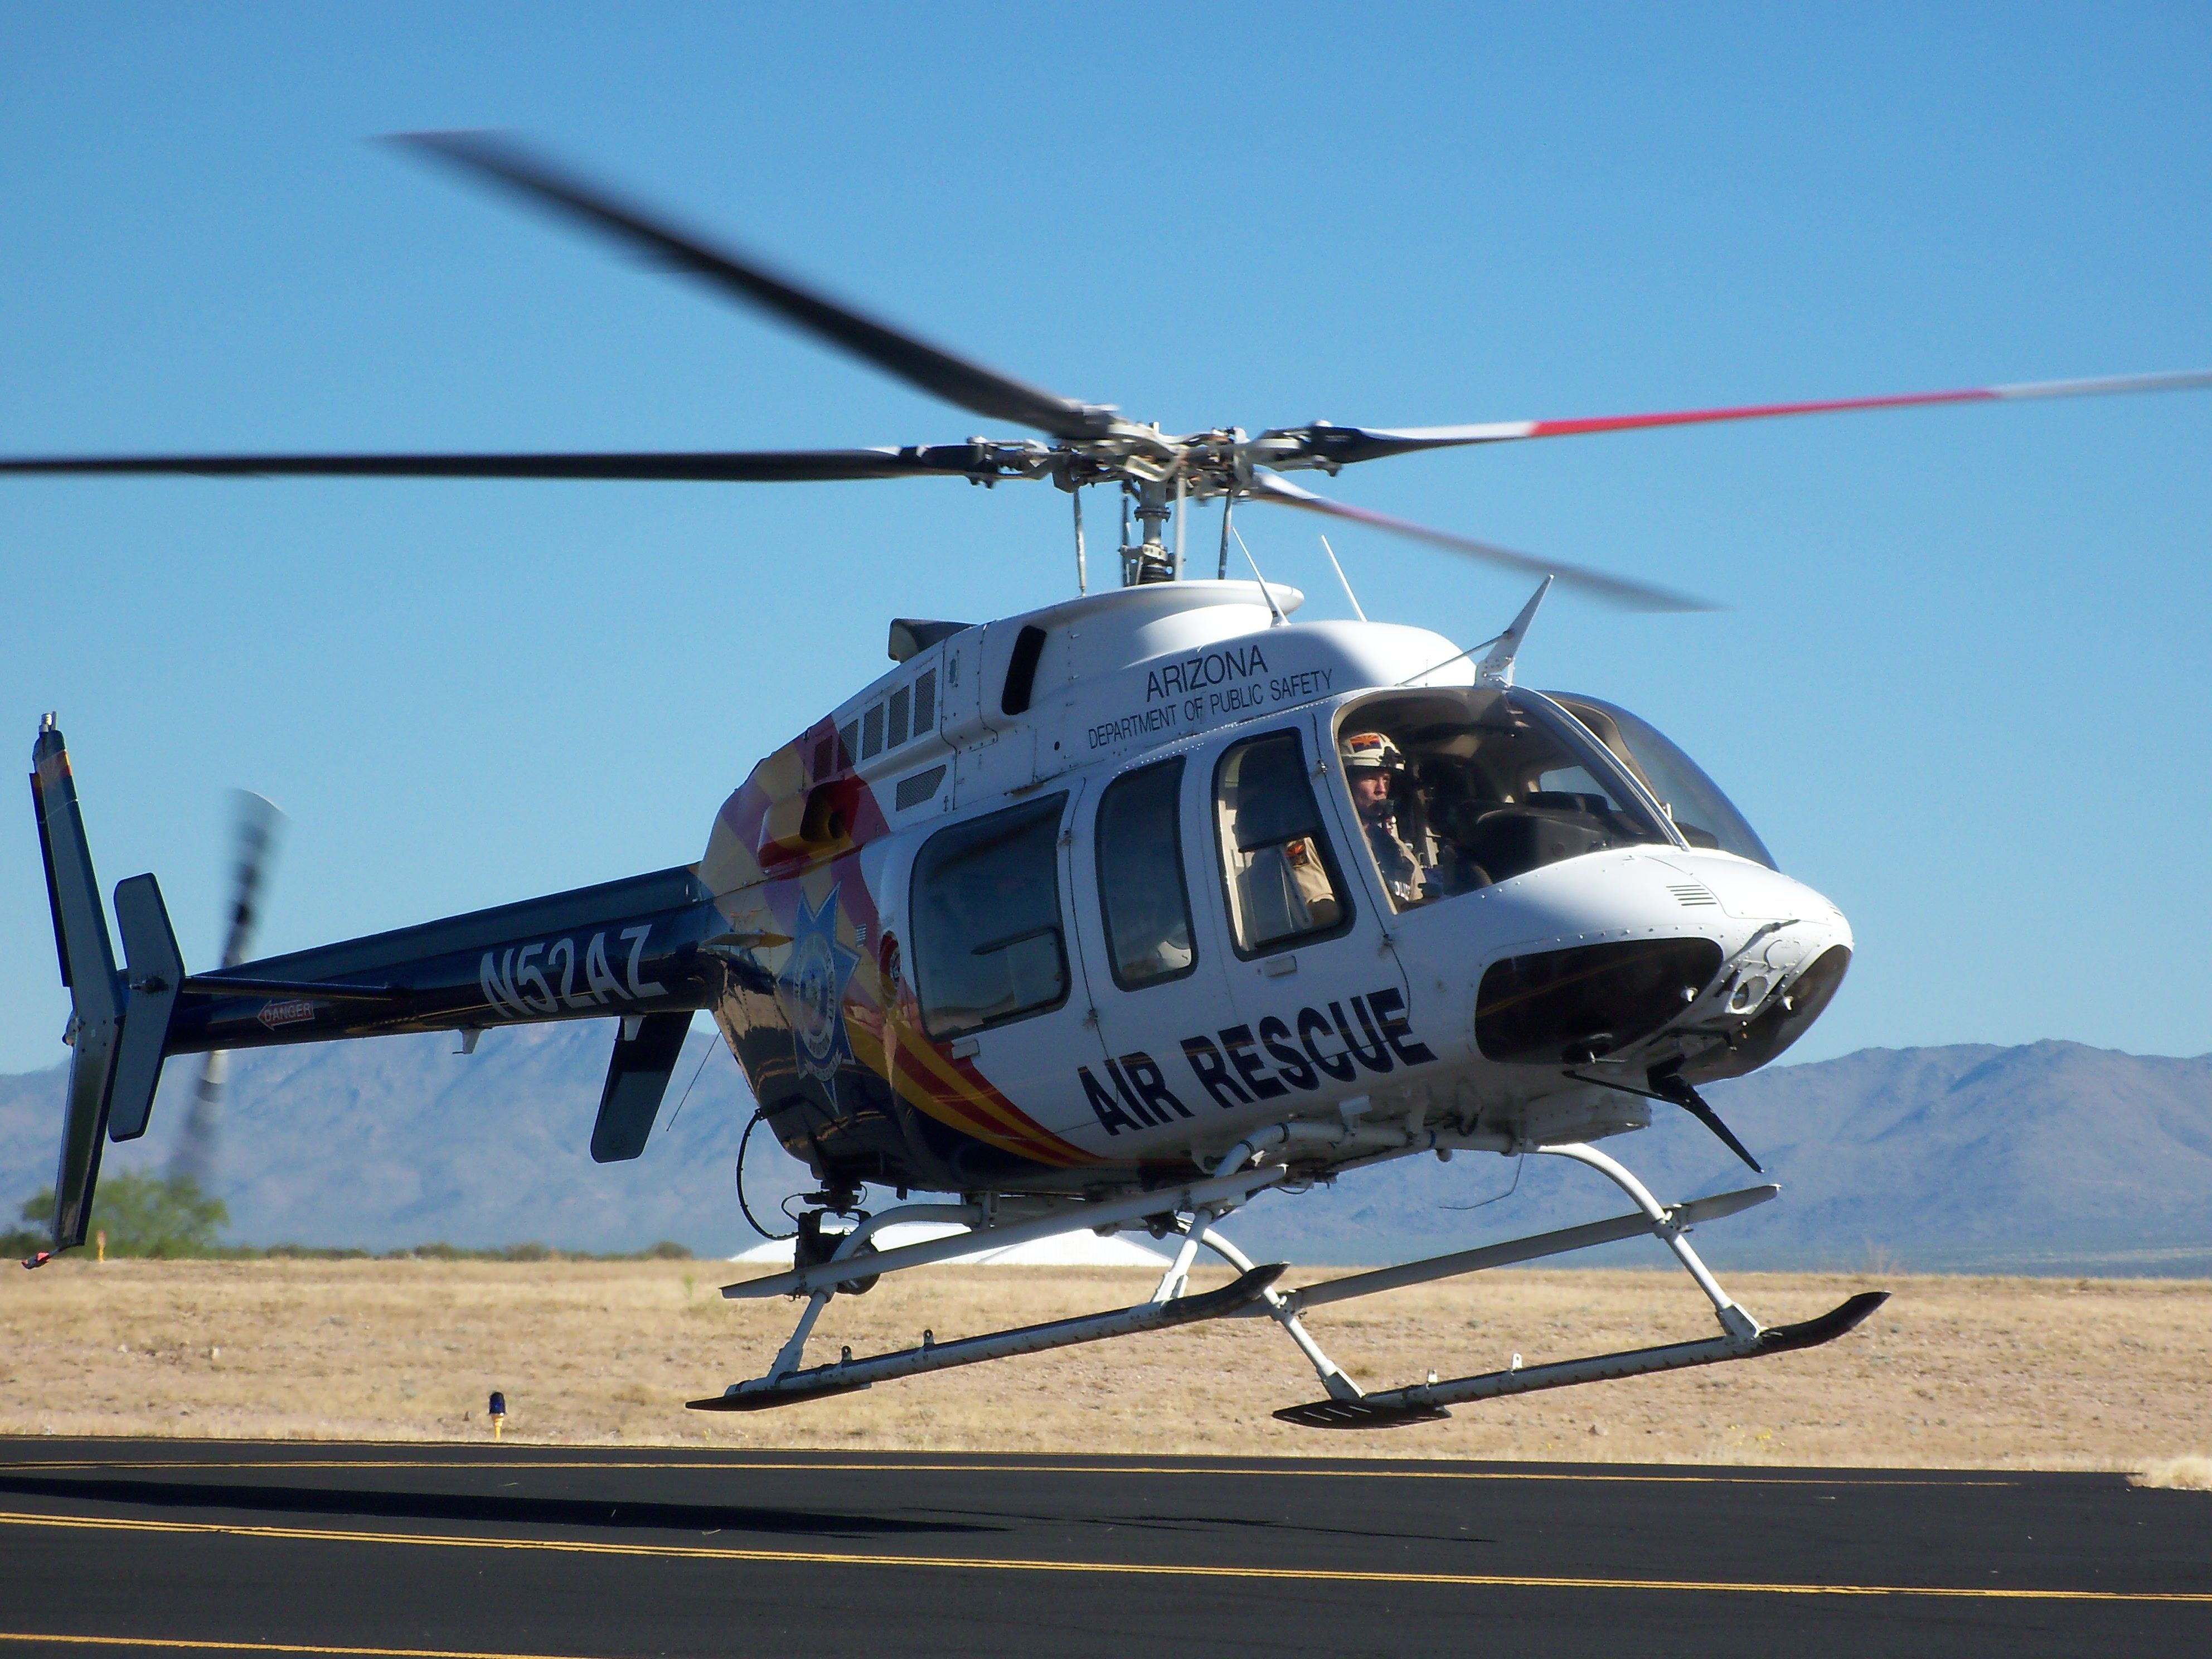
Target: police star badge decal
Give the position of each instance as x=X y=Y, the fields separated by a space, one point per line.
x=811 y=988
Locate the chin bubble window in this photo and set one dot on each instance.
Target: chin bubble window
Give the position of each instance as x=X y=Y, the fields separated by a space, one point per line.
x=1280 y=872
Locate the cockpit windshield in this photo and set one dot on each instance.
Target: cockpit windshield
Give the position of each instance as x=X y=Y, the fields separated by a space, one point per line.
x=1705 y=817
x=1456 y=789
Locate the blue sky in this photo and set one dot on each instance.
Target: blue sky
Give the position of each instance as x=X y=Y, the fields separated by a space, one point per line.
x=1959 y=688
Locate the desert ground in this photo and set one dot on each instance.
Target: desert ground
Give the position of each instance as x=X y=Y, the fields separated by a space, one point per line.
x=1954 y=1372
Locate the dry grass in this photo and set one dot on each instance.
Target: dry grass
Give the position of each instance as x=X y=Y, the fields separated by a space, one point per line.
x=2001 y=1373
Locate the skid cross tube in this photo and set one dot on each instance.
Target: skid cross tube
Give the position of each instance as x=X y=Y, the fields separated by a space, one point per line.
x=1524 y=1249
x=1741 y=1336
x=1225 y=1192
x=1735 y=1321
x=1280 y=1308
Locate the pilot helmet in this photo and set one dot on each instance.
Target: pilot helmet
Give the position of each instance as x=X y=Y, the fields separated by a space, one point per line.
x=1369 y=749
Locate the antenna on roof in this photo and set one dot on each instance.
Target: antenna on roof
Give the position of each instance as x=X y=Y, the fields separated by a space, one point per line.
x=1266 y=593
x=1082 y=576
x=1346 y=586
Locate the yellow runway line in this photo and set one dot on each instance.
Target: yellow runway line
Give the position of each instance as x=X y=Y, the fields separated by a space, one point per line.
x=1275 y=1574
x=177 y=1643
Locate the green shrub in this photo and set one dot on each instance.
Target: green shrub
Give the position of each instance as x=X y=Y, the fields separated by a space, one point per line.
x=145 y=1215
x=172 y=1218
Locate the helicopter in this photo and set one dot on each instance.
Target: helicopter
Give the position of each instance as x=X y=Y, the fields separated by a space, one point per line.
x=1113 y=915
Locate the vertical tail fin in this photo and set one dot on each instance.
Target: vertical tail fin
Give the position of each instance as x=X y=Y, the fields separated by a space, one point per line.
x=88 y=970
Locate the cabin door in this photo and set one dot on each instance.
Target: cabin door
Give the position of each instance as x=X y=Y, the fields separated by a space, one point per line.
x=999 y=980
x=1320 y=999
x=1152 y=947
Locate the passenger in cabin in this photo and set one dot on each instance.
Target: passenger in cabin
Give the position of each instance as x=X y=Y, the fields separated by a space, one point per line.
x=1282 y=880
x=1374 y=770
x=1312 y=895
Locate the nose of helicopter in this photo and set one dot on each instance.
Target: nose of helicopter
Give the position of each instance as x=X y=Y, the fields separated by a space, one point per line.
x=1779 y=980
x=1704 y=956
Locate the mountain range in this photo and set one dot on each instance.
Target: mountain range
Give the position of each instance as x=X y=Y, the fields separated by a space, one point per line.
x=2050 y=1157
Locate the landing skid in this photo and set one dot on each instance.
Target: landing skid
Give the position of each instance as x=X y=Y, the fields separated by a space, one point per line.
x=1425 y=1402
x=849 y=1375
x=1741 y=1336
x=1253 y=1294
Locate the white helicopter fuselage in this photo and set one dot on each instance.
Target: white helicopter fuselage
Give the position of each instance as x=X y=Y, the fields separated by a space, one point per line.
x=959 y=963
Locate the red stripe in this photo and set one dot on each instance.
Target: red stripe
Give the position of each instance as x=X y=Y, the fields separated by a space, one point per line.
x=1752 y=412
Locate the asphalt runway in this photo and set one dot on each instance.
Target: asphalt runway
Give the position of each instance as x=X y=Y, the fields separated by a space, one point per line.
x=221 y=1547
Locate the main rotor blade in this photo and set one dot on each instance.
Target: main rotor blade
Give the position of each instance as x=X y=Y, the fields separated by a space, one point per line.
x=982 y=390
x=1346 y=444
x=1613 y=590
x=729 y=466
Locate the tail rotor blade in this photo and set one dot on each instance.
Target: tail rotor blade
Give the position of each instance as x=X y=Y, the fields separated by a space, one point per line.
x=198 y=1153
x=259 y=821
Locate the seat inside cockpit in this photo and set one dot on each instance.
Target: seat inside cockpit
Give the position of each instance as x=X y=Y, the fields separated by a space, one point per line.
x=1482 y=785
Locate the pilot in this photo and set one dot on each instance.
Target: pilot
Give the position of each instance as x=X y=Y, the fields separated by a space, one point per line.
x=1372 y=767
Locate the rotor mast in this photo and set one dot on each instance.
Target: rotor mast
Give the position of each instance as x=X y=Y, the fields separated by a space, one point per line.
x=1148 y=560
x=1159 y=478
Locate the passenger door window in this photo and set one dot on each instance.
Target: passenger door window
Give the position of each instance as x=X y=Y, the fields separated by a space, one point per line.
x=1278 y=869
x=1141 y=893
x=986 y=920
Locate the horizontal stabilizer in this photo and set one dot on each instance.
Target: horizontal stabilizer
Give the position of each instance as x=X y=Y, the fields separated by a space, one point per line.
x=637 y=1082
x=156 y=973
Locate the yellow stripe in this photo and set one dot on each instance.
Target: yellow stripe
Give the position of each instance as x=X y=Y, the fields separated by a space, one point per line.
x=945 y=1085
x=950 y=1098
x=945 y=1097
x=1273 y=1574
x=705 y=1466
x=141 y=1643
x=1015 y=1131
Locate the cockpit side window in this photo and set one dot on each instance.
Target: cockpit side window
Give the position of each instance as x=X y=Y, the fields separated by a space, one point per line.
x=987 y=939
x=1278 y=872
x=1458 y=788
x=1141 y=894
x=1705 y=817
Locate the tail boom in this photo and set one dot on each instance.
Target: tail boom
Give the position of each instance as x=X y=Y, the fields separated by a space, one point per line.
x=641 y=949
x=622 y=948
